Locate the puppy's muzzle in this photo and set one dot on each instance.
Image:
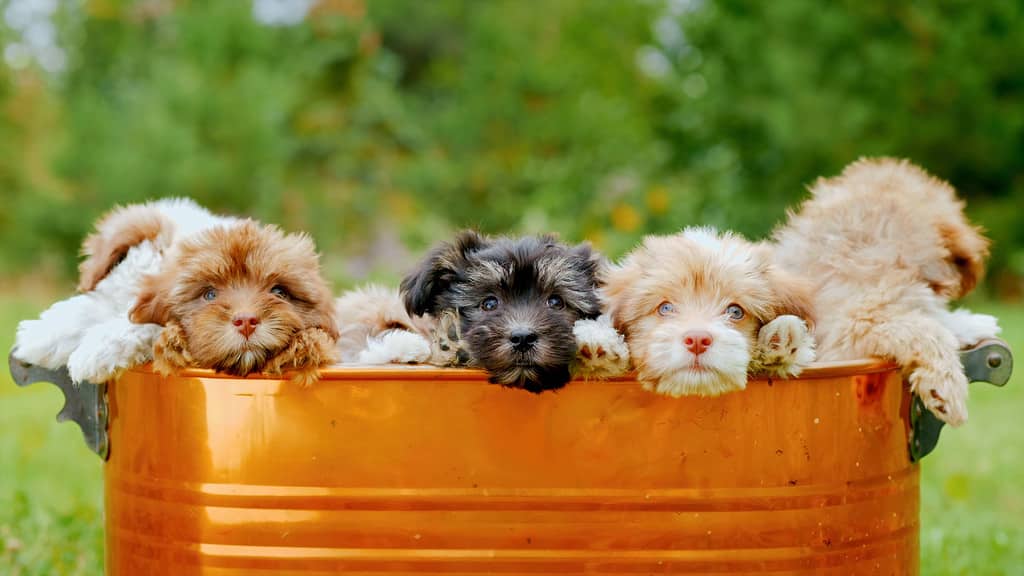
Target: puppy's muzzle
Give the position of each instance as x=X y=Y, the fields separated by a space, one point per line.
x=697 y=341
x=246 y=324
x=522 y=339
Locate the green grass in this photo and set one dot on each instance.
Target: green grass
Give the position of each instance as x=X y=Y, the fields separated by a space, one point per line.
x=972 y=517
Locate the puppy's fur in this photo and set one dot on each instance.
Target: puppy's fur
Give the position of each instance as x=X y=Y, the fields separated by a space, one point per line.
x=513 y=301
x=240 y=299
x=90 y=333
x=888 y=246
x=375 y=328
x=672 y=287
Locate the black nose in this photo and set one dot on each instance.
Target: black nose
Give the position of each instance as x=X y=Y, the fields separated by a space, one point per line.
x=522 y=339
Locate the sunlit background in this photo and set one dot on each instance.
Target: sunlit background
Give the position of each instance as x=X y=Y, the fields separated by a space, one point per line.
x=381 y=126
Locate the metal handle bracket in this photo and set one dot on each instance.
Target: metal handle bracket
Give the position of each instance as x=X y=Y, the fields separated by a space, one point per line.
x=85 y=404
x=990 y=361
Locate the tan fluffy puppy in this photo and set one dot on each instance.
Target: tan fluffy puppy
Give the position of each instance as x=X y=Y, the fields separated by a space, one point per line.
x=887 y=247
x=701 y=308
x=377 y=329
x=240 y=299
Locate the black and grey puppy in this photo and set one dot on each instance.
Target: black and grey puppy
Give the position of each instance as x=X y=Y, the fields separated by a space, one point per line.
x=516 y=300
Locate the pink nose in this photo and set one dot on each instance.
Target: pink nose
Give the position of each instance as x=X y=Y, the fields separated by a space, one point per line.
x=697 y=341
x=246 y=324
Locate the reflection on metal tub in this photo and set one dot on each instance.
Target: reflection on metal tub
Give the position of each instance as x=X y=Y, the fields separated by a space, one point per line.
x=416 y=469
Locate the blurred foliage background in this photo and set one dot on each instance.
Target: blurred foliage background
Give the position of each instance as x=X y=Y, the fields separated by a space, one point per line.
x=382 y=126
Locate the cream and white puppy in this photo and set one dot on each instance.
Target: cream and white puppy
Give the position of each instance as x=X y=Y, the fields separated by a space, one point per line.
x=700 y=309
x=887 y=247
x=90 y=333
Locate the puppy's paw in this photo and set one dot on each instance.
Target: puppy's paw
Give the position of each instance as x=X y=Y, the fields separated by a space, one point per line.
x=170 y=351
x=784 y=346
x=110 y=348
x=308 y=351
x=446 y=346
x=943 y=391
x=601 y=352
x=395 y=347
x=970 y=328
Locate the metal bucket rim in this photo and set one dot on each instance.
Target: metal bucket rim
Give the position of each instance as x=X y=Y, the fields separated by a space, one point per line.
x=358 y=372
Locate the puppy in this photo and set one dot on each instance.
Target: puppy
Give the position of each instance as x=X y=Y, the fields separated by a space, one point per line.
x=887 y=247
x=700 y=308
x=90 y=333
x=241 y=299
x=375 y=328
x=509 y=305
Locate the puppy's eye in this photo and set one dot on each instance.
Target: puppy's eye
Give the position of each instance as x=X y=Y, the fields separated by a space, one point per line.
x=666 y=309
x=735 y=312
x=280 y=291
x=490 y=303
x=210 y=295
x=556 y=302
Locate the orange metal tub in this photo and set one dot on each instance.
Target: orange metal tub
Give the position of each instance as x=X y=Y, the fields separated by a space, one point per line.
x=410 y=469
x=420 y=470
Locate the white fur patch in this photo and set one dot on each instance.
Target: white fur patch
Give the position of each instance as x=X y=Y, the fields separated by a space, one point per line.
x=968 y=327
x=395 y=347
x=601 y=352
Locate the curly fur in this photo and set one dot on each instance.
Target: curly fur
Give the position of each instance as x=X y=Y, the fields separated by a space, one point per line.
x=90 y=332
x=887 y=246
x=539 y=288
x=673 y=286
x=241 y=299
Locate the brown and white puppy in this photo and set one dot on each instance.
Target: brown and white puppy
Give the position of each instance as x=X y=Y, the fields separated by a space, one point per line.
x=240 y=299
x=375 y=328
x=700 y=309
x=887 y=246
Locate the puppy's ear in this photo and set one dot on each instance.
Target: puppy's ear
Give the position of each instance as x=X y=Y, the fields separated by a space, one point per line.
x=151 y=306
x=968 y=250
x=436 y=272
x=592 y=265
x=617 y=281
x=116 y=233
x=792 y=295
x=326 y=318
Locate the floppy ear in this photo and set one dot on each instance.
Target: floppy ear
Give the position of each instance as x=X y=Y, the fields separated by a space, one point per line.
x=151 y=305
x=968 y=250
x=584 y=259
x=116 y=233
x=792 y=295
x=435 y=273
x=326 y=318
x=616 y=281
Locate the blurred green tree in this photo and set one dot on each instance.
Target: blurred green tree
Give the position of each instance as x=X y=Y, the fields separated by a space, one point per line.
x=377 y=125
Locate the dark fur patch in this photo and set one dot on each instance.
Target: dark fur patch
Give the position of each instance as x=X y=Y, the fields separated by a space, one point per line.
x=522 y=275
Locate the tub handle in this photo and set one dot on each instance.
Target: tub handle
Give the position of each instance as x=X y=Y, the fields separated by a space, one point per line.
x=990 y=361
x=85 y=404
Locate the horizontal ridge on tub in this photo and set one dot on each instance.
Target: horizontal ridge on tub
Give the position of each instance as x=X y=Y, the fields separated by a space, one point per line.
x=426 y=372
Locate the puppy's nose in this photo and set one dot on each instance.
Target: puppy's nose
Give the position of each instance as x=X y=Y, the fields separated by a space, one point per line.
x=246 y=324
x=522 y=339
x=697 y=341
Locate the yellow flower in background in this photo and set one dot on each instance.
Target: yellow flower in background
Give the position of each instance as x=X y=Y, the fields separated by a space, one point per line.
x=658 y=200
x=625 y=218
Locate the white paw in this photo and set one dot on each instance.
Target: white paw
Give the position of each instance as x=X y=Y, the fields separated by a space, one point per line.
x=784 y=347
x=943 y=391
x=109 y=348
x=395 y=347
x=601 y=352
x=970 y=328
